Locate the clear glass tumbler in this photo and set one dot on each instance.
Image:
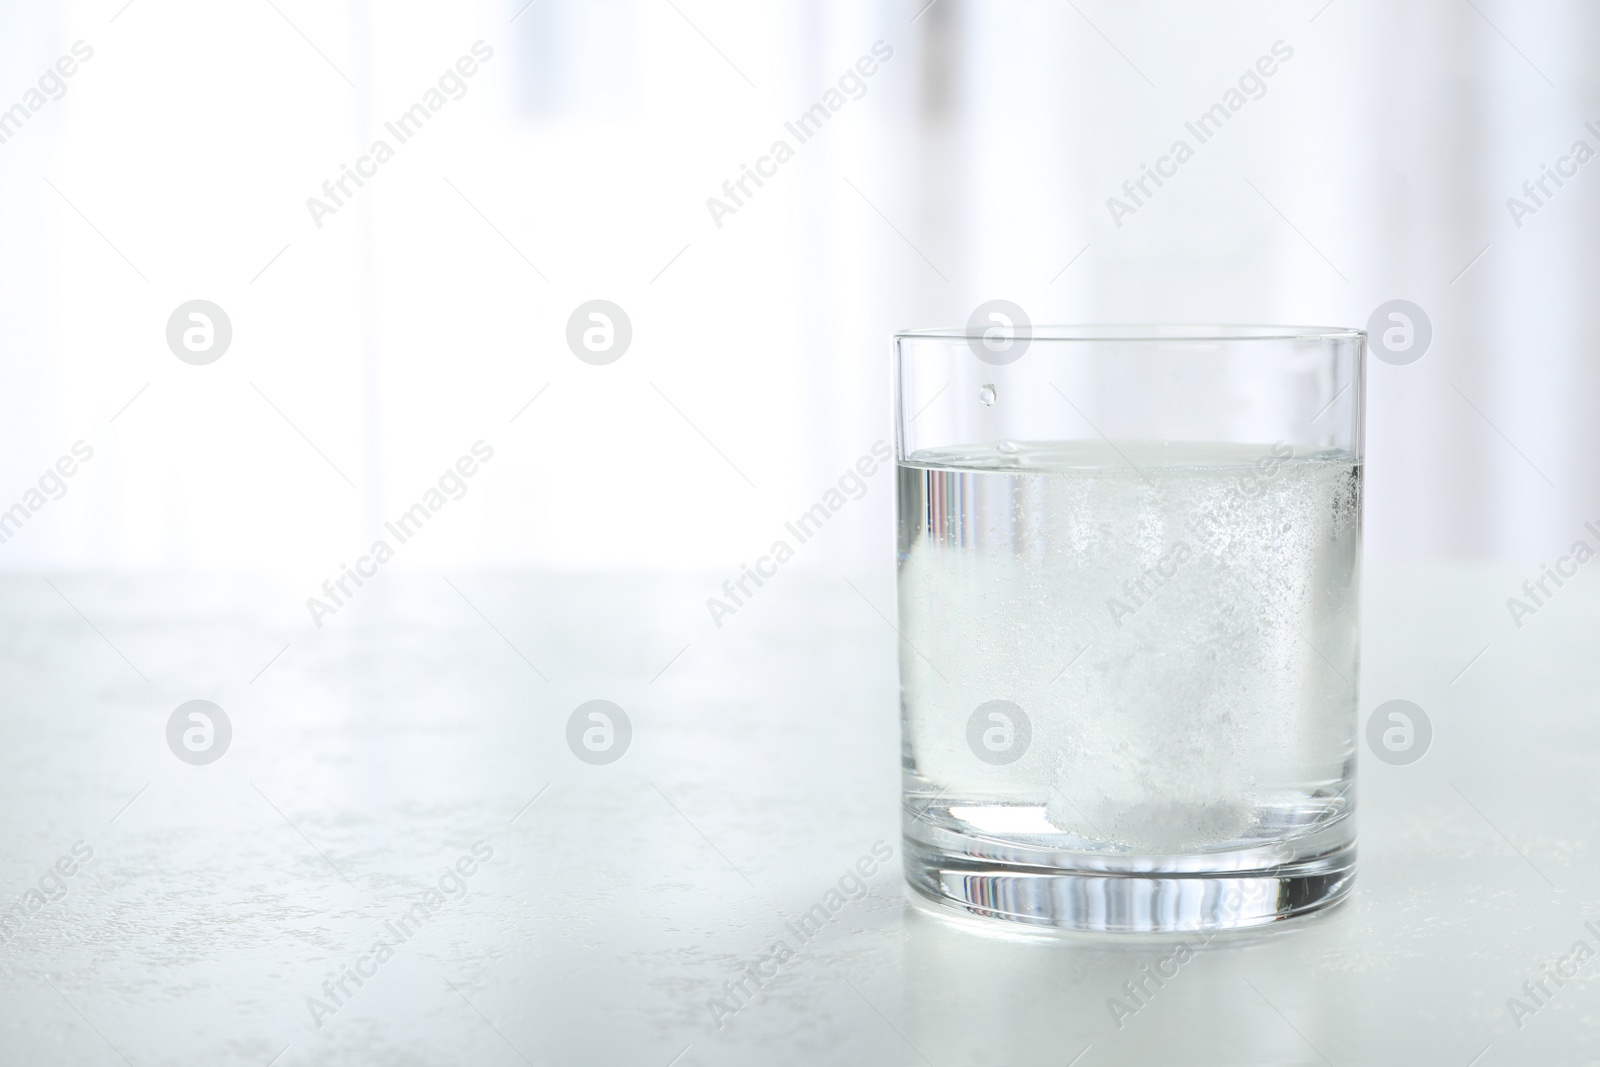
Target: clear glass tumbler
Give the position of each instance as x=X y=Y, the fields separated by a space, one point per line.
x=1128 y=568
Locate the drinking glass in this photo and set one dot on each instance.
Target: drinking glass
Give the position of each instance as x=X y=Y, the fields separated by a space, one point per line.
x=1128 y=563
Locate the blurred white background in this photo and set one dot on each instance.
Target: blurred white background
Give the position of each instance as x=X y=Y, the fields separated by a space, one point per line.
x=372 y=351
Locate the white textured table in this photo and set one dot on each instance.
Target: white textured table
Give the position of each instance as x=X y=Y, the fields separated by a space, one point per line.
x=373 y=755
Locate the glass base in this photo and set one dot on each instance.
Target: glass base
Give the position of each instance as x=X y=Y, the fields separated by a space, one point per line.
x=1226 y=896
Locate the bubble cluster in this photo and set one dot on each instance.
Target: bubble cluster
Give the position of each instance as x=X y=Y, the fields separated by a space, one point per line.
x=1209 y=622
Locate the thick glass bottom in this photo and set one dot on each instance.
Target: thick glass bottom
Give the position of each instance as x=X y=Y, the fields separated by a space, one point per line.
x=1213 y=892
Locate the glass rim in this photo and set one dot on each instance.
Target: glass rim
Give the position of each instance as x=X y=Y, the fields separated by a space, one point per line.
x=1102 y=333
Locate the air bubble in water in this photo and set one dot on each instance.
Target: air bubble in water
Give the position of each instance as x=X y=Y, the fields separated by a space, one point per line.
x=1008 y=447
x=987 y=395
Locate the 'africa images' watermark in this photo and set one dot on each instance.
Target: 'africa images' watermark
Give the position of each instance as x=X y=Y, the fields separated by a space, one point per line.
x=52 y=886
x=1537 y=592
x=740 y=991
x=199 y=732
x=1399 y=332
x=53 y=482
x=1537 y=993
x=1141 y=989
x=1565 y=170
x=1206 y=125
x=803 y=128
x=599 y=732
x=1399 y=732
x=410 y=522
x=999 y=732
x=199 y=332
x=599 y=332
x=1142 y=590
x=52 y=81
x=999 y=333
x=853 y=481
x=403 y=128
x=452 y=886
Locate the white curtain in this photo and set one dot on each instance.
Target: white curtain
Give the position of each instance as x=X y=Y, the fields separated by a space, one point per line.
x=975 y=162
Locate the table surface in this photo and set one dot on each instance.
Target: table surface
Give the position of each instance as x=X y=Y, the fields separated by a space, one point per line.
x=618 y=903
